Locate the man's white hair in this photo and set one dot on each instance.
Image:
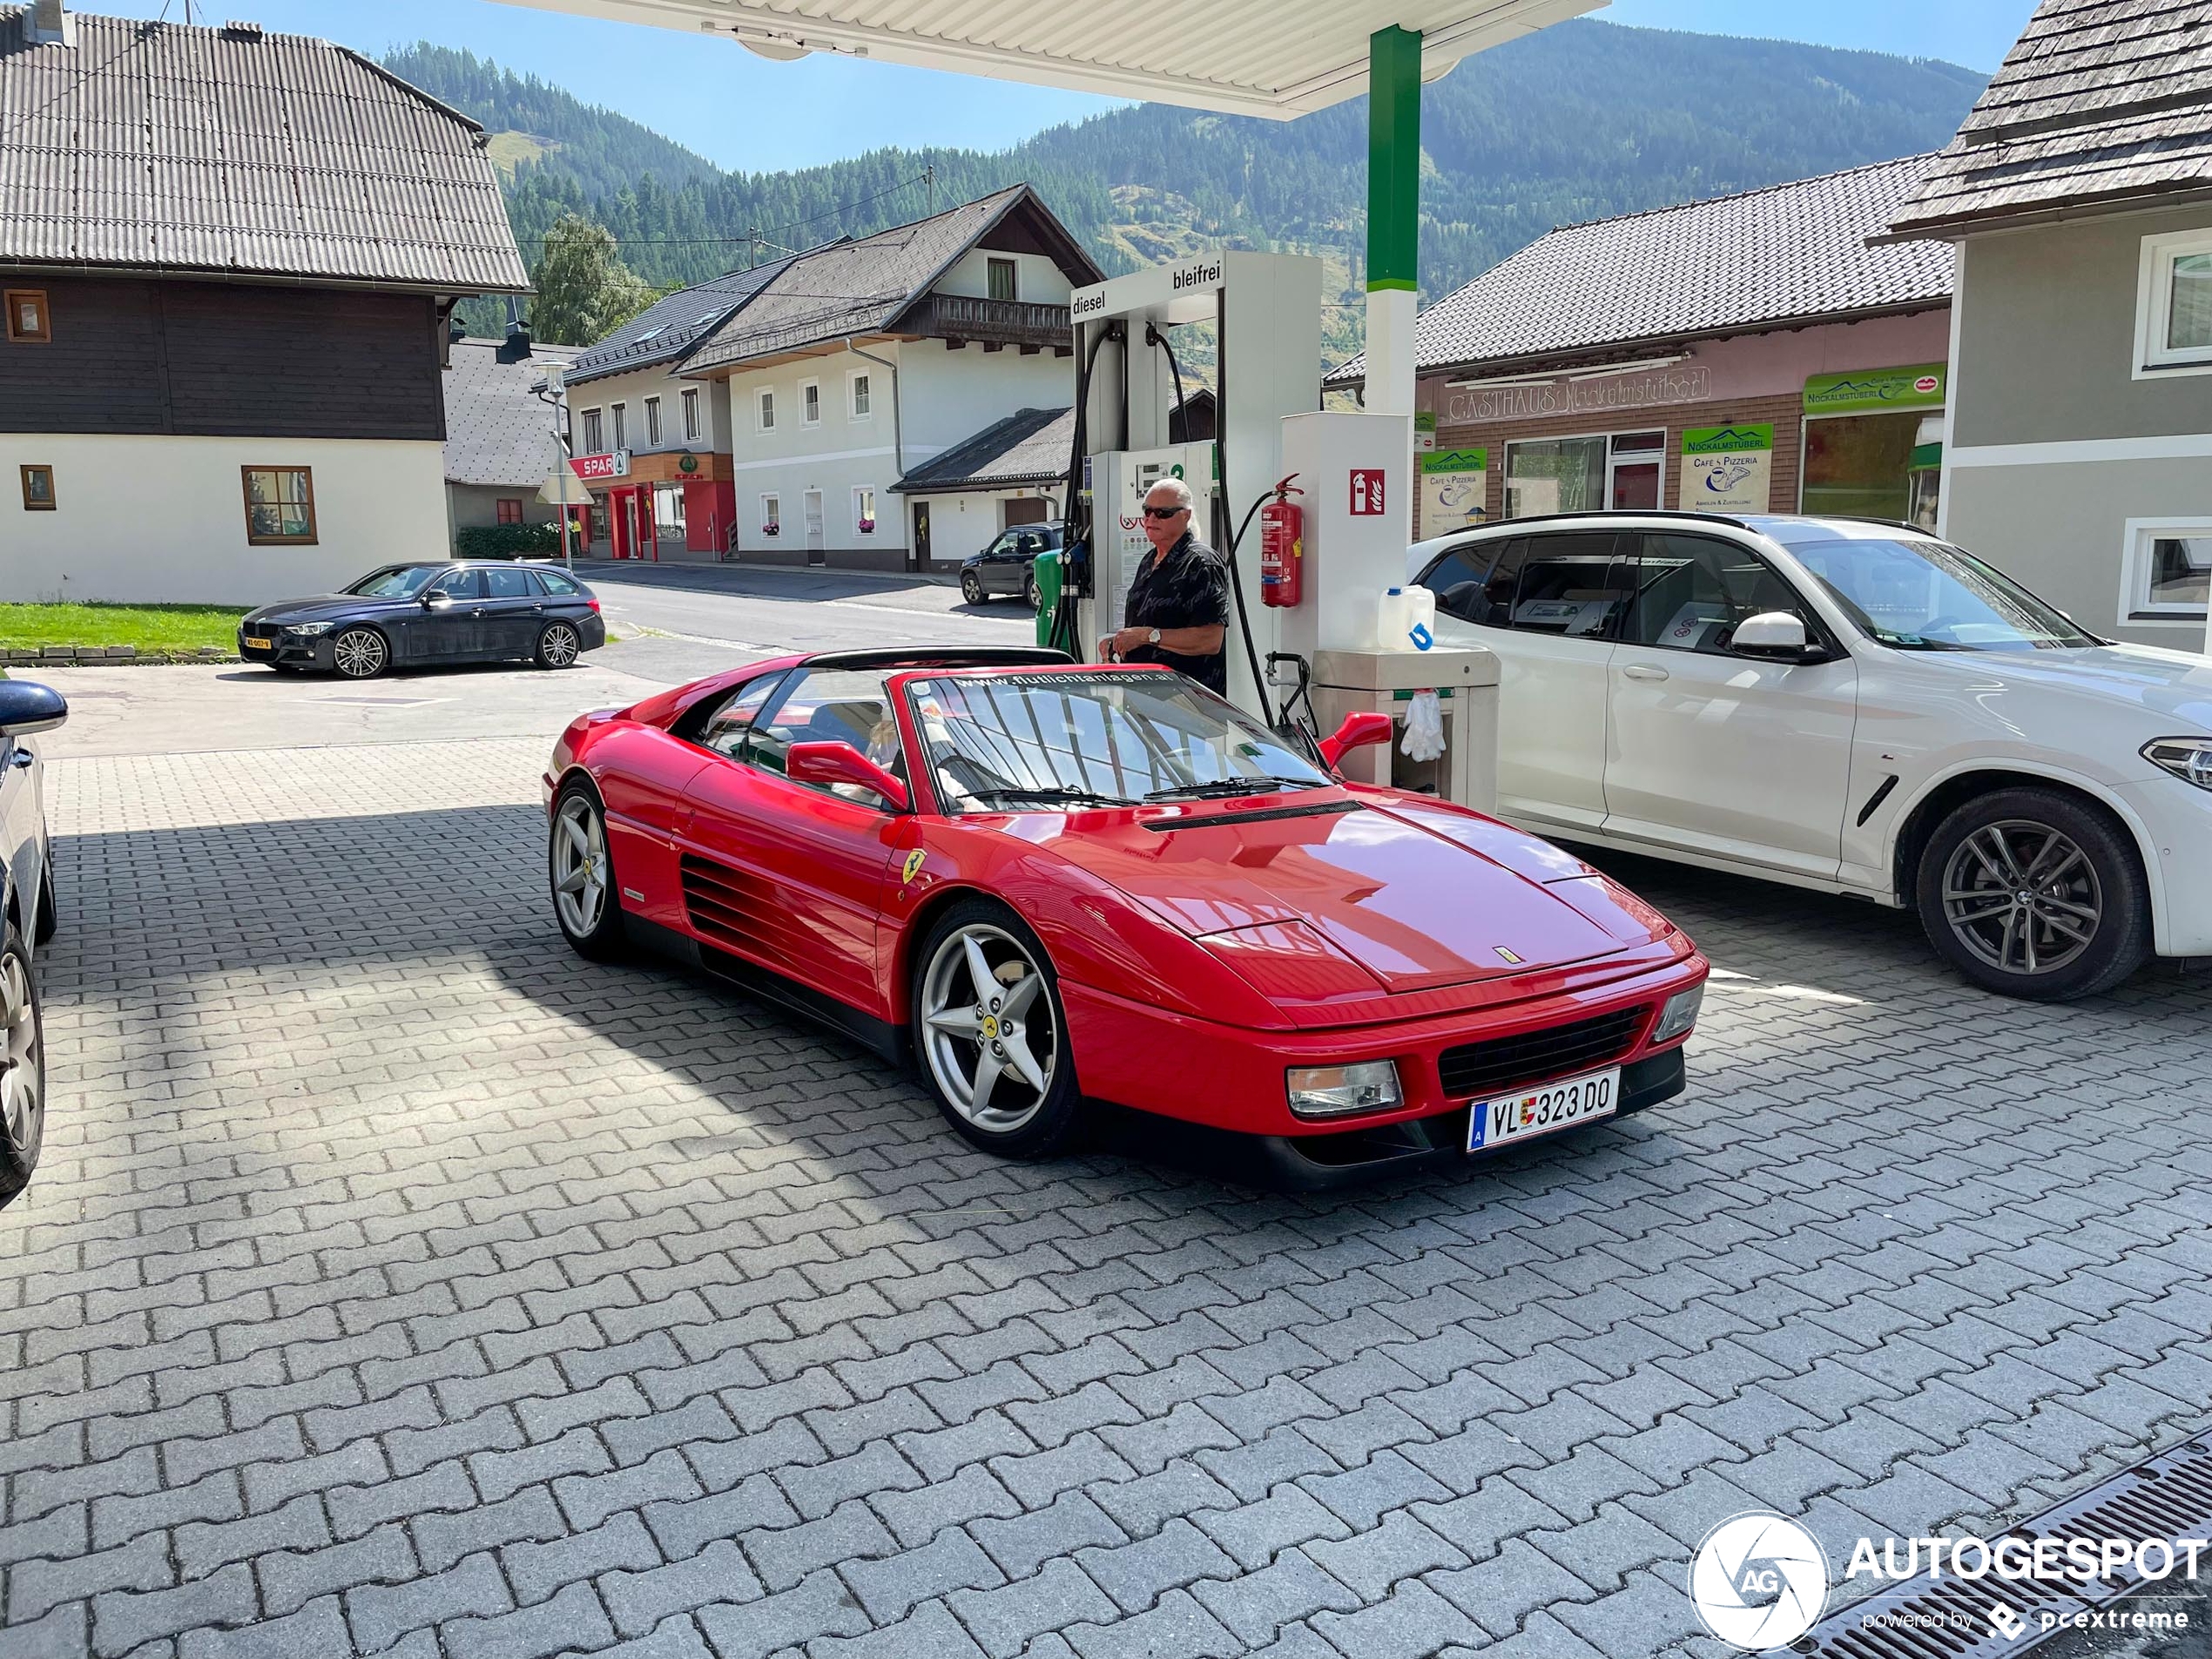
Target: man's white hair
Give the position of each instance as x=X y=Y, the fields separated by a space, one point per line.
x=1183 y=497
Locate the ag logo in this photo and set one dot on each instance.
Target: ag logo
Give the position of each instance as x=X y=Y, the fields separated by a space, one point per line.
x=1759 y=1582
x=913 y=865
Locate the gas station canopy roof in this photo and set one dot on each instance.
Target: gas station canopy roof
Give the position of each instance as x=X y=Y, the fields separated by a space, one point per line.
x=1273 y=57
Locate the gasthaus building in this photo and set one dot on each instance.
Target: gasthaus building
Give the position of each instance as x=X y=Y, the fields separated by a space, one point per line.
x=227 y=262
x=1747 y=353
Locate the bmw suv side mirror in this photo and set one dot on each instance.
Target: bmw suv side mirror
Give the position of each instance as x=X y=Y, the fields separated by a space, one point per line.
x=1771 y=633
x=27 y=708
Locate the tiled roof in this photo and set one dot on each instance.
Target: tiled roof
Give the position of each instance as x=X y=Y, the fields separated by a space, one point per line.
x=497 y=430
x=668 y=327
x=1028 y=447
x=2098 y=101
x=861 y=286
x=229 y=150
x=1766 y=257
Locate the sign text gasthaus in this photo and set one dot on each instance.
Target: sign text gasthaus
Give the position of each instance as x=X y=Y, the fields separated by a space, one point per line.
x=2016 y=1560
x=1646 y=388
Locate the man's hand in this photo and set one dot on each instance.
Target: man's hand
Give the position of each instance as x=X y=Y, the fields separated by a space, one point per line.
x=1119 y=645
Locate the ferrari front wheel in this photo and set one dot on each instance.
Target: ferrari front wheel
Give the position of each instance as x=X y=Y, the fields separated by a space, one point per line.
x=991 y=1034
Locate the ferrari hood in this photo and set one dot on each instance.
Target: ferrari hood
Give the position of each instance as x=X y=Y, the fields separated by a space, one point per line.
x=1350 y=887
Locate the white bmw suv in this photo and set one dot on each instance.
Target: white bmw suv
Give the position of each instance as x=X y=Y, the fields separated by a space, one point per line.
x=1850 y=707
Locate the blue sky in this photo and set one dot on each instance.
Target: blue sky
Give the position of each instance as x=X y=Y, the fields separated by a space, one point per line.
x=745 y=113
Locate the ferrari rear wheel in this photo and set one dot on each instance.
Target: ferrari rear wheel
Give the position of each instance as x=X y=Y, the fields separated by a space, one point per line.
x=991 y=1034
x=583 y=876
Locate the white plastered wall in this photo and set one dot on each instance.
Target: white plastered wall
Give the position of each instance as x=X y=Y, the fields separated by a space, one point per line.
x=153 y=519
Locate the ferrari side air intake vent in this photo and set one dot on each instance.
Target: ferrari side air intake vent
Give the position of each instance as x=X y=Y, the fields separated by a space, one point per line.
x=1492 y=1068
x=720 y=903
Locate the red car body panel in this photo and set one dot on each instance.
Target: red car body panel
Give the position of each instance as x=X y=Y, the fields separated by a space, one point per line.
x=1201 y=947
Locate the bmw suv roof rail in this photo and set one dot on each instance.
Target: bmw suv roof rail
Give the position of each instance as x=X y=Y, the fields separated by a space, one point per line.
x=1611 y=512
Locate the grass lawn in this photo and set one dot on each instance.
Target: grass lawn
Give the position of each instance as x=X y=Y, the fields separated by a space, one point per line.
x=151 y=628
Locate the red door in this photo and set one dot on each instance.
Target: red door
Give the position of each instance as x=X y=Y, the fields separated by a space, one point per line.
x=643 y=783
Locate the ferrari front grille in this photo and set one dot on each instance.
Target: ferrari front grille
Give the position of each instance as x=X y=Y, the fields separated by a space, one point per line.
x=1476 y=1070
x=721 y=905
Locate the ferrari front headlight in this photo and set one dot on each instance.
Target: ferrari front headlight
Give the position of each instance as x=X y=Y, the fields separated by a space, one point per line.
x=2187 y=759
x=1336 y=1091
x=1680 y=1013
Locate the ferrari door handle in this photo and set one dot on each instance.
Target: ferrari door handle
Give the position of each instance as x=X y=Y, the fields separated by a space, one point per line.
x=1638 y=671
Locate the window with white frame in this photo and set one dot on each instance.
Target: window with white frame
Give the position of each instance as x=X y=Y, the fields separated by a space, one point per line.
x=810 y=403
x=690 y=415
x=2169 y=569
x=622 y=425
x=772 y=514
x=864 y=511
x=2174 y=307
x=594 y=442
x=652 y=423
x=764 y=409
x=860 y=395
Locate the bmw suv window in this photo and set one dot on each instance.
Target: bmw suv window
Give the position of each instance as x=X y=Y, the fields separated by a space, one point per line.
x=1930 y=595
x=1475 y=583
x=395 y=582
x=1691 y=591
x=1574 y=584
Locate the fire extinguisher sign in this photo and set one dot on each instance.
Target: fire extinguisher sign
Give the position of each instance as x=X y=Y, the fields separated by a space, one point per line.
x=1367 y=492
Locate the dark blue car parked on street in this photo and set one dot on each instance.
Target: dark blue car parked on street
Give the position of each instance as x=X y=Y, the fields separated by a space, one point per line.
x=421 y=616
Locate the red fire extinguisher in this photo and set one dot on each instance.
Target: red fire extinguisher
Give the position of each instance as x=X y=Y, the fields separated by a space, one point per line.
x=1282 y=548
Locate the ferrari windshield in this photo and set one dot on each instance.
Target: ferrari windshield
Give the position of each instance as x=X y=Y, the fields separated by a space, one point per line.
x=1930 y=595
x=395 y=581
x=1021 y=742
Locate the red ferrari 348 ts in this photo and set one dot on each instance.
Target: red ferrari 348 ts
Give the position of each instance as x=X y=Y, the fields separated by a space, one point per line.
x=1052 y=882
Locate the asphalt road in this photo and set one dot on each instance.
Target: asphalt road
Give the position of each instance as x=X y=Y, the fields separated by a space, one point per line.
x=679 y=620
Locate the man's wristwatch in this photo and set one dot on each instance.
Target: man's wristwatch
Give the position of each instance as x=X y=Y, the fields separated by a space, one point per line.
x=1152 y=639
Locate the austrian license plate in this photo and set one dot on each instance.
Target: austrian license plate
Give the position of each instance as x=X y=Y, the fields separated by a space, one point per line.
x=1532 y=1112
x=251 y=644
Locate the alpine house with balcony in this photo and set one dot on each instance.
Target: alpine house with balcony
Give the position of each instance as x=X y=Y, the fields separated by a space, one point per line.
x=856 y=363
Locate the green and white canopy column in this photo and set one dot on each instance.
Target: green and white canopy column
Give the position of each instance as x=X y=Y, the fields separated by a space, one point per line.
x=1393 y=216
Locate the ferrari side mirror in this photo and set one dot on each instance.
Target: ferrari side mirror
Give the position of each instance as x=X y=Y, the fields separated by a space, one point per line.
x=1357 y=732
x=841 y=763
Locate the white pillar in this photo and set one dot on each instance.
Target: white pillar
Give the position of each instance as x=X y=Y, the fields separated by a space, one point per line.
x=1390 y=351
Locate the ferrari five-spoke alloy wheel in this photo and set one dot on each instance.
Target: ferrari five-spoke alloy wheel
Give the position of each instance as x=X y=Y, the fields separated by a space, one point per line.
x=22 y=1070
x=583 y=875
x=2032 y=892
x=971 y=588
x=992 y=1035
x=559 y=645
x=360 y=653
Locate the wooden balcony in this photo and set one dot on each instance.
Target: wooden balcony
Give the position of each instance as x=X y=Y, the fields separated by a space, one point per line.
x=957 y=319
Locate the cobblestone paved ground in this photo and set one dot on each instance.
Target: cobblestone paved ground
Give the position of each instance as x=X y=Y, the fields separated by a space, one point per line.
x=398 y=1284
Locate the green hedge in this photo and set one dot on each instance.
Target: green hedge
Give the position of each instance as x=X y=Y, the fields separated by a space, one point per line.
x=507 y=540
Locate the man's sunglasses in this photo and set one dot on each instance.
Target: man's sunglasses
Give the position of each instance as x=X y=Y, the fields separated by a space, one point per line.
x=1165 y=512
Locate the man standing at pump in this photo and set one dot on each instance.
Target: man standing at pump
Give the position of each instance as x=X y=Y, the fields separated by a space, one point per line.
x=1178 y=604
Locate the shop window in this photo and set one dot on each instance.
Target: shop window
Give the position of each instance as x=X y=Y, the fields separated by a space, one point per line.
x=38 y=490
x=508 y=510
x=593 y=444
x=2174 y=308
x=668 y=511
x=598 y=525
x=28 y=322
x=621 y=412
x=1624 y=471
x=2169 y=568
x=690 y=415
x=864 y=511
x=860 y=396
x=1860 y=466
x=652 y=423
x=810 y=403
x=279 y=506
x=772 y=514
x=1000 y=273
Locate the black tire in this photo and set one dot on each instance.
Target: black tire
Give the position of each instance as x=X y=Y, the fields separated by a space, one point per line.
x=559 y=643
x=1029 y=594
x=971 y=588
x=2035 y=893
x=23 y=1052
x=48 y=921
x=599 y=936
x=1040 y=1122
x=360 y=654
